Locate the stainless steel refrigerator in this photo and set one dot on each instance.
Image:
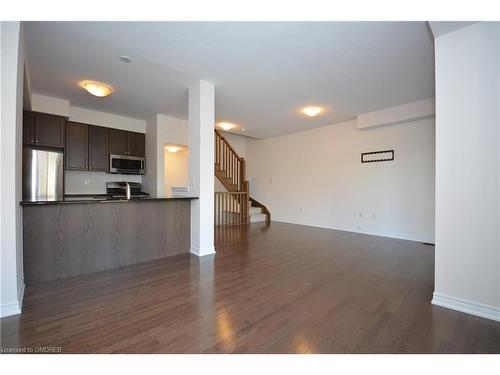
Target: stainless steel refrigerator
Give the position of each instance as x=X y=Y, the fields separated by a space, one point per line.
x=42 y=175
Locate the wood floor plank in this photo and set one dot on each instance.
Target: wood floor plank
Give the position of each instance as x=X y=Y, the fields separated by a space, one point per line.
x=278 y=288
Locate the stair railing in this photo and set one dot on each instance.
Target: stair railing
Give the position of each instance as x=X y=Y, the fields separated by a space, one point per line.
x=231 y=208
x=228 y=161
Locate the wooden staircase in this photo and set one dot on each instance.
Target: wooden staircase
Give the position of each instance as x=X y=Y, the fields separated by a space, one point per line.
x=234 y=206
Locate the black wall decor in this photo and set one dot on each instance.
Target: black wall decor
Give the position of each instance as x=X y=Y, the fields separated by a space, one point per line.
x=375 y=156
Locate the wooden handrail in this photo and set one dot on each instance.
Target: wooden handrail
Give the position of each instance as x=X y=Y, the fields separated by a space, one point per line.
x=219 y=134
x=231 y=167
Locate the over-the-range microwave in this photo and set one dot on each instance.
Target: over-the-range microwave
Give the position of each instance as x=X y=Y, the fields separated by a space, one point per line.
x=126 y=164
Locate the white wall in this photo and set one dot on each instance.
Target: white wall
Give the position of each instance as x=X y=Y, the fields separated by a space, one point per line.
x=108 y=120
x=48 y=104
x=316 y=178
x=80 y=182
x=176 y=167
x=151 y=177
x=237 y=142
x=467 y=270
x=83 y=182
x=12 y=84
x=161 y=130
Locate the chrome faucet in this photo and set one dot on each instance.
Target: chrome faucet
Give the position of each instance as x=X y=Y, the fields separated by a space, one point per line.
x=127 y=191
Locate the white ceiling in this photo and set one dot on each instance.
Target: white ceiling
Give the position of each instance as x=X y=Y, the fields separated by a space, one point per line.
x=263 y=72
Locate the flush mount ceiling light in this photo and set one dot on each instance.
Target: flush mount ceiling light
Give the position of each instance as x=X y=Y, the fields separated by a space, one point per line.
x=98 y=89
x=125 y=59
x=312 y=111
x=173 y=148
x=226 y=125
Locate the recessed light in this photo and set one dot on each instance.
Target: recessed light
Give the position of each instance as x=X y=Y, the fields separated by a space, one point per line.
x=96 y=88
x=312 y=111
x=173 y=148
x=125 y=59
x=226 y=125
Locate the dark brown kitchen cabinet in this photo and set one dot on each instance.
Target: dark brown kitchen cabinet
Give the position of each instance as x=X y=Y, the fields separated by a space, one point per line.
x=43 y=129
x=136 y=144
x=77 y=140
x=49 y=130
x=118 y=142
x=98 y=148
x=28 y=128
x=122 y=142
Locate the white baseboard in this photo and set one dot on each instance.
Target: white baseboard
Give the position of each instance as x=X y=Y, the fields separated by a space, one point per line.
x=202 y=252
x=15 y=307
x=468 y=307
x=20 y=296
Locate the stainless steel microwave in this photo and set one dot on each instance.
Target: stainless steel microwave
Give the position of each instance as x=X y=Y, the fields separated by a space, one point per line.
x=125 y=164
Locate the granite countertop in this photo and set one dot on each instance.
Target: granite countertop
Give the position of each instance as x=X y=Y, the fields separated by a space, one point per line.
x=105 y=199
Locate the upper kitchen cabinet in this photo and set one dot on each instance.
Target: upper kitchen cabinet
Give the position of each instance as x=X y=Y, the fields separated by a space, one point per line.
x=48 y=130
x=76 y=150
x=136 y=144
x=122 y=142
x=118 y=142
x=86 y=147
x=28 y=128
x=98 y=148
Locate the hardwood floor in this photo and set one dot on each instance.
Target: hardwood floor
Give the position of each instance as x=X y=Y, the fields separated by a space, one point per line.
x=270 y=289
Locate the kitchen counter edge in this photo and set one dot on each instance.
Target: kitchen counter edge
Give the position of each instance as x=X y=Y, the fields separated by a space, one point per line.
x=103 y=200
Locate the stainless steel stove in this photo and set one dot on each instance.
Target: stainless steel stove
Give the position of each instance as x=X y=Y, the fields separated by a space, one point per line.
x=119 y=189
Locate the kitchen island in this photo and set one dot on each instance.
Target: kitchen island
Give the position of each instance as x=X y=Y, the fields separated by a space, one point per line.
x=82 y=235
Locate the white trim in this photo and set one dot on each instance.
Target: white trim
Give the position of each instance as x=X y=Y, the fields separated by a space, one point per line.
x=10 y=309
x=20 y=297
x=14 y=308
x=468 y=307
x=202 y=252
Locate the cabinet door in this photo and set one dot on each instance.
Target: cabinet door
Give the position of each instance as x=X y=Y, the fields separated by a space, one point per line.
x=98 y=148
x=49 y=130
x=136 y=144
x=118 y=142
x=77 y=136
x=28 y=128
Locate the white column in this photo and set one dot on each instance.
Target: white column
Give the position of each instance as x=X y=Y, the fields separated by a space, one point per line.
x=201 y=166
x=467 y=170
x=11 y=95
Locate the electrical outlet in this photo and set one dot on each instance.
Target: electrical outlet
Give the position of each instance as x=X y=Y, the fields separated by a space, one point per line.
x=86 y=181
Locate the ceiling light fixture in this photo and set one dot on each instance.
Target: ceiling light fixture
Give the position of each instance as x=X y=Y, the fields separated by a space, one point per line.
x=98 y=89
x=125 y=59
x=226 y=125
x=312 y=111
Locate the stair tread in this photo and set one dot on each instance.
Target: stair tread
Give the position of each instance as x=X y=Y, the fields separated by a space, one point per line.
x=255 y=210
x=258 y=218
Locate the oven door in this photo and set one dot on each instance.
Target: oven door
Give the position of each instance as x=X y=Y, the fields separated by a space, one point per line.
x=125 y=164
